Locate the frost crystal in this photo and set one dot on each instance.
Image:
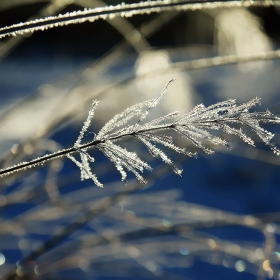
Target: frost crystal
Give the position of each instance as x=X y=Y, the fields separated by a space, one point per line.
x=85 y=157
x=86 y=123
x=199 y=126
x=126 y=10
x=196 y=126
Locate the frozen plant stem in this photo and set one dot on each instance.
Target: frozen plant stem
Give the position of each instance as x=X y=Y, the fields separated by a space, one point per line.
x=195 y=125
x=127 y=10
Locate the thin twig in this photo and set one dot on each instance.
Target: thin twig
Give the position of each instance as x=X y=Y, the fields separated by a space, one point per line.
x=125 y=10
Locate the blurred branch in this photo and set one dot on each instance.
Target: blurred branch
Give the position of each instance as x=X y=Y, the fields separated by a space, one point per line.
x=220 y=221
x=83 y=219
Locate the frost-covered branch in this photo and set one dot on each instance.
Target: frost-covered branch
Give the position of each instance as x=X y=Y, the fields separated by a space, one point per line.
x=126 y=10
x=199 y=126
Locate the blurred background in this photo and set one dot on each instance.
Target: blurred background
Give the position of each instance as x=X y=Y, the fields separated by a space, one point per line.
x=219 y=221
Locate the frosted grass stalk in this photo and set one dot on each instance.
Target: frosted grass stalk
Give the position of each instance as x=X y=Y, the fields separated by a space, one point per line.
x=125 y=10
x=197 y=126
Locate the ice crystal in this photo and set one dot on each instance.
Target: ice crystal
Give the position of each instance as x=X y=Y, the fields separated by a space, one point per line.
x=86 y=123
x=195 y=125
x=122 y=158
x=200 y=126
x=85 y=157
x=121 y=119
x=126 y=10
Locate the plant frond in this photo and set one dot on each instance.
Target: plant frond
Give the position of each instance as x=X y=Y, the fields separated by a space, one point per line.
x=122 y=118
x=86 y=123
x=85 y=170
x=197 y=126
x=155 y=102
x=122 y=158
x=155 y=152
x=161 y=119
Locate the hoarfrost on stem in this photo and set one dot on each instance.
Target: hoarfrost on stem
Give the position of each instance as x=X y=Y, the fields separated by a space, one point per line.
x=199 y=126
x=195 y=125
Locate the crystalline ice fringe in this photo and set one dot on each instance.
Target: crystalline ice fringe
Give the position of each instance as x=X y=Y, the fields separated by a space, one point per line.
x=123 y=11
x=86 y=123
x=155 y=102
x=198 y=144
x=155 y=138
x=82 y=167
x=158 y=153
x=121 y=118
x=159 y=120
x=115 y=159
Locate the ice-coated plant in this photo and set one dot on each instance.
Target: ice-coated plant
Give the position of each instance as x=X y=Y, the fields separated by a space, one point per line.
x=198 y=126
x=126 y=10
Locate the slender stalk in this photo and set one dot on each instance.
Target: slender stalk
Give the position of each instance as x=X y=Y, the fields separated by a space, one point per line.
x=35 y=162
x=181 y=66
x=126 y=10
x=42 y=160
x=207 y=117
